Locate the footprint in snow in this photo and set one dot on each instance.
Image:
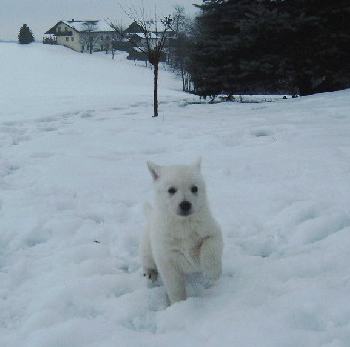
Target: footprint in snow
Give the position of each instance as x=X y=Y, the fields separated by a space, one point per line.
x=8 y=170
x=87 y=114
x=262 y=132
x=48 y=129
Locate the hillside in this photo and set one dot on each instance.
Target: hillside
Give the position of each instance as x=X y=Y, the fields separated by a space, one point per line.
x=75 y=134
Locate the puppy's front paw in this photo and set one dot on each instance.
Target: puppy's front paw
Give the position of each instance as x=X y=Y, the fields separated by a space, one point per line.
x=151 y=275
x=212 y=271
x=210 y=259
x=210 y=279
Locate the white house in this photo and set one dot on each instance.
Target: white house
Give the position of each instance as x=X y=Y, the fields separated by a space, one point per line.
x=81 y=35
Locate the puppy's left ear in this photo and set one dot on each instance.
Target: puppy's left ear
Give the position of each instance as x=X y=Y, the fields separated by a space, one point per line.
x=198 y=163
x=154 y=170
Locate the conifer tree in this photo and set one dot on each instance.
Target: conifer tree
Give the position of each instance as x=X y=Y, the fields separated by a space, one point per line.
x=214 y=59
x=25 y=35
x=265 y=46
x=319 y=42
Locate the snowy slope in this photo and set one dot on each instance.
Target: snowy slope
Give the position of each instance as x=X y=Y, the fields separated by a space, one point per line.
x=39 y=81
x=75 y=132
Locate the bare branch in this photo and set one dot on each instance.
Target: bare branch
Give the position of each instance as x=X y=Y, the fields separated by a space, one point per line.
x=154 y=42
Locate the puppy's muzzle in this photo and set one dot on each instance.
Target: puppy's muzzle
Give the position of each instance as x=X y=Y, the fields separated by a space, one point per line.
x=185 y=208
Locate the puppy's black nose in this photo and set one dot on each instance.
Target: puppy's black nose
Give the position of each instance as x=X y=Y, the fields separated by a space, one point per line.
x=185 y=206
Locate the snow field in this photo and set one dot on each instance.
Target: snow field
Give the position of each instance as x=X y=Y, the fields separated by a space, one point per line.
x=73 y=182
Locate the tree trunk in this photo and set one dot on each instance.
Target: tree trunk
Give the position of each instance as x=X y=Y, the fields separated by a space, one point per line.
x=155 y=98
x=183 y=76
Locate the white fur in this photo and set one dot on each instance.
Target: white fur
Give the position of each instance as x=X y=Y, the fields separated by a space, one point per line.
x=174 y=245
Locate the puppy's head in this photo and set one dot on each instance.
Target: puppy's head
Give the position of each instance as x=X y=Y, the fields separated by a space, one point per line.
x=179 y=189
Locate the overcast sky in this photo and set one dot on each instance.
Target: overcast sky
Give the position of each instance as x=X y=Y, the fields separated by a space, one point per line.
x=40 y=15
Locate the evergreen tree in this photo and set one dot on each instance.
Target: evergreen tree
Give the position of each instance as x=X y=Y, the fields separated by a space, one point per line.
x=25 y=35
x=214 y=59
x=263 y=46
x=231 y=55
x=319 y=44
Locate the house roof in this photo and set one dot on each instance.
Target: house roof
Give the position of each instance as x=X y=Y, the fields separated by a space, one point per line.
x=51 y=30
x=93 y=25
x=84 y=25
x=135 y=28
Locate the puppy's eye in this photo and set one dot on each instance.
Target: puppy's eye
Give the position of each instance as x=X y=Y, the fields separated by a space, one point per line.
x=172 y=190
x=194 y=189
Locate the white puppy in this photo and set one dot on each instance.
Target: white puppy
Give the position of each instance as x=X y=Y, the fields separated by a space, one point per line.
x=181 y=236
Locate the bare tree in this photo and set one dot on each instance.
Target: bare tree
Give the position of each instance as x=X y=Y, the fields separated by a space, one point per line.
x=180 y=21
x=179 y=49
x=89 y=37
x=156 y=35
x=117 y=35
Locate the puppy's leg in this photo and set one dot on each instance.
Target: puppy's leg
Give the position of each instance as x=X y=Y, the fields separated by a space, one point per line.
x=149 y=266
x=210 y=258
x=173 y=279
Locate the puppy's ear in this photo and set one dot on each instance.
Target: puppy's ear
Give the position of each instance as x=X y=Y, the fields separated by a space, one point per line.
x=198 y=163
x=154 y=170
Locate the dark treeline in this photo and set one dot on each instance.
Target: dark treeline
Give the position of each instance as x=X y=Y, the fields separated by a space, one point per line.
x=268 y=46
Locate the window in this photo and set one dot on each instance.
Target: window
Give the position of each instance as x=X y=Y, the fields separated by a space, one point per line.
x=101 y=38
x=72 y=38
x=67 y=38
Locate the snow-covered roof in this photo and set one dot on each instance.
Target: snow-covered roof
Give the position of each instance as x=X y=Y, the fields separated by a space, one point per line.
x=93 y=25
x=135 y=28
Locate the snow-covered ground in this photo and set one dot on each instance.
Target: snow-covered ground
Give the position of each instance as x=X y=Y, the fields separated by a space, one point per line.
x=75 y=133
